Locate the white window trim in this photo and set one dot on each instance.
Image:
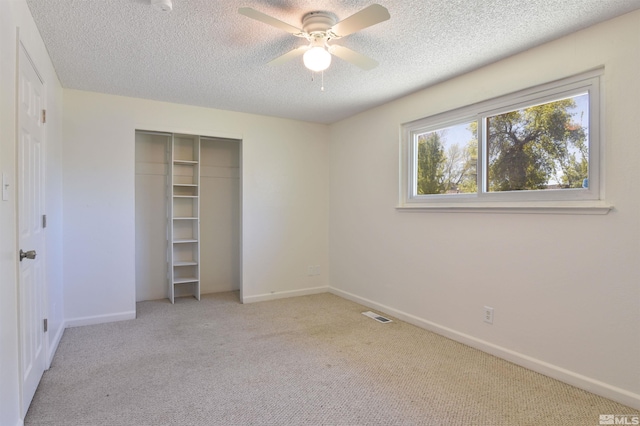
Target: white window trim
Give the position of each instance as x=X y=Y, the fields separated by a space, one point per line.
x=564 y=201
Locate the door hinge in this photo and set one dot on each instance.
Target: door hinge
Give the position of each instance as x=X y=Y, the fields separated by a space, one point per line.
x=44 y=116
x=46 y=325
x=44 y=220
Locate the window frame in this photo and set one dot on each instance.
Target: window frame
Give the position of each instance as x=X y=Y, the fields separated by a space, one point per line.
x=586 y=200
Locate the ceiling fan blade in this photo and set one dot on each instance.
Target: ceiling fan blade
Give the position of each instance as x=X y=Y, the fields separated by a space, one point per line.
x=367 y=17
x=353 y=57
x=259 y=16
x=298 y=51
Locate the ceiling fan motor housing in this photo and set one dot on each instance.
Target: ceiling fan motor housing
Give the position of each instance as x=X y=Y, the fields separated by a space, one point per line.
x=317 y=24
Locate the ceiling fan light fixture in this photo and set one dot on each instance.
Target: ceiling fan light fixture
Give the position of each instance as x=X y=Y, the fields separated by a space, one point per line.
x=317 y=59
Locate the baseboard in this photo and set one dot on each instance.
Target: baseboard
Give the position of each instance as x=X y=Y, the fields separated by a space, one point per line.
x=284 y=294
x=572 y=378
x=100 y=319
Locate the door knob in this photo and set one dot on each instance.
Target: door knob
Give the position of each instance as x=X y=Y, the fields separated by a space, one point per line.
x=31 y=254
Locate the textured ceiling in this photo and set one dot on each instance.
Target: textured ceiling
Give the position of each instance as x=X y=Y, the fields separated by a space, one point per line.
x=204 y=53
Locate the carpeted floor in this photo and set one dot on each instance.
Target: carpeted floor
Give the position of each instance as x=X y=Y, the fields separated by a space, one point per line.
x=313 y=360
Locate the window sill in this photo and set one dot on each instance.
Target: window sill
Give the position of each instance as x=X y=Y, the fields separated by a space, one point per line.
x=589 y=208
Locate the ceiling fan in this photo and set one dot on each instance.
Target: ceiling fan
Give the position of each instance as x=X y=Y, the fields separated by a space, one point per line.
x=319 y=28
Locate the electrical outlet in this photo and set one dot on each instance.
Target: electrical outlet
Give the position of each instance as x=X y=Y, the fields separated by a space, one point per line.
x=488 y=314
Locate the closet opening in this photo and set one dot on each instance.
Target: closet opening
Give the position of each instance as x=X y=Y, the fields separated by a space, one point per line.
x=188 y=215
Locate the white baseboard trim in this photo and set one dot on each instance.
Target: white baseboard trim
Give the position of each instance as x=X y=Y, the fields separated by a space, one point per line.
x=284 y=294
x=100 y=319
x=572 y=378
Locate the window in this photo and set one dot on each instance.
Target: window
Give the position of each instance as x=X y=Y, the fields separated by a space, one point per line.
x=538 y=145
x=446 y=160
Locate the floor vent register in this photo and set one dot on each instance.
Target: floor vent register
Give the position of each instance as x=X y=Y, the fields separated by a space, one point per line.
x=376 y=317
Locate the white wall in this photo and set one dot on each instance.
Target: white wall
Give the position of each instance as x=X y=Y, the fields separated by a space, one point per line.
x=565 y=288
x=14 y=14
x=284 y=199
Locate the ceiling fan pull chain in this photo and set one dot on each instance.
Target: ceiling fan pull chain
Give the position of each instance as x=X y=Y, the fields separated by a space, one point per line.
x=321 y=79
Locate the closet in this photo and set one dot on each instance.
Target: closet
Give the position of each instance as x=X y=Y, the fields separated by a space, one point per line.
x=187 y=215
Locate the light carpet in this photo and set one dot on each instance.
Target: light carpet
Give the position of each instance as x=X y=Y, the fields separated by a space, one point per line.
x=312 y=360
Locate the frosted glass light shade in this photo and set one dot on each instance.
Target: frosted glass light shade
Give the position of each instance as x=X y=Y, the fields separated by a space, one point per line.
x=317 y=59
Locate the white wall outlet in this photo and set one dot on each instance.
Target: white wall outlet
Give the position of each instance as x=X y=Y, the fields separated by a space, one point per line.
x=488 y=314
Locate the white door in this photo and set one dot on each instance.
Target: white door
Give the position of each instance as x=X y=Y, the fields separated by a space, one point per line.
x=30 y=225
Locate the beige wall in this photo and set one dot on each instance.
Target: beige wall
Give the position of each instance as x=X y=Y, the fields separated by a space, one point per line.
x=565 y=288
